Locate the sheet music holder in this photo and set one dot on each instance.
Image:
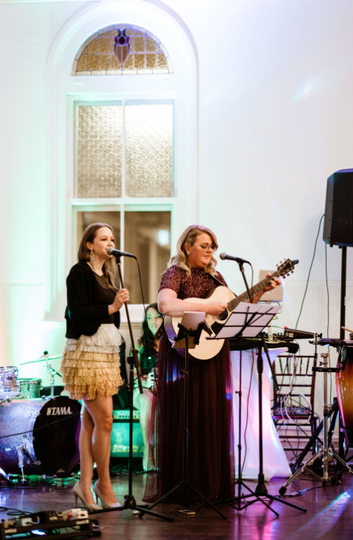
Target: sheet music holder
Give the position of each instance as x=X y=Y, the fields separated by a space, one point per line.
x=192 y=325
x=247 y=320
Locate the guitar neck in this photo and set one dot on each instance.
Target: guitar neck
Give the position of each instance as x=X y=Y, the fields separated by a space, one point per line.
x=255 y=289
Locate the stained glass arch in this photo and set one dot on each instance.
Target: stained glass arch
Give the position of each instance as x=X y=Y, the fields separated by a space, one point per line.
x=122 y=49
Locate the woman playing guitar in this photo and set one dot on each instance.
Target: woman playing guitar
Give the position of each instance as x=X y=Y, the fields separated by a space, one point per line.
x=192 y=273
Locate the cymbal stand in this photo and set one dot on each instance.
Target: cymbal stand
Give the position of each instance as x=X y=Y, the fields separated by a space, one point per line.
x=325 y=451
x=52 y=372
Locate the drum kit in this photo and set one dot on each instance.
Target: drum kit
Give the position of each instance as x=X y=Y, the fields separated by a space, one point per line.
x=38 y=435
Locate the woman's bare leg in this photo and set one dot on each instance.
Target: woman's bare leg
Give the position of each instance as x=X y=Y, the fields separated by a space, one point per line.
x=101 y=412
x=86 y=455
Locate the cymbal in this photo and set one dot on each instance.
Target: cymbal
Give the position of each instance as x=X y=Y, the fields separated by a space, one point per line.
x=44 y=359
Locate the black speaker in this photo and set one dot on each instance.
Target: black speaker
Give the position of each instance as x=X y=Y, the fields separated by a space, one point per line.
x=338 y=224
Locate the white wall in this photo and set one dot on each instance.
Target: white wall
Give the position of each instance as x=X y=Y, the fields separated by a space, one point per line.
x=275 y=116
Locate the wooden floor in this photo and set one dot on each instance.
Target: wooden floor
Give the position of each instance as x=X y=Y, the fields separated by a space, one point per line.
x=329 y=513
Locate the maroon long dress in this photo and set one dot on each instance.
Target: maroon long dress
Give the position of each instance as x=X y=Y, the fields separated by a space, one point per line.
x=211 y=435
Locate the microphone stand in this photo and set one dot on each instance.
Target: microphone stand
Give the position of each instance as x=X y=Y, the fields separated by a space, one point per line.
x=241 y=268
x=130 y=502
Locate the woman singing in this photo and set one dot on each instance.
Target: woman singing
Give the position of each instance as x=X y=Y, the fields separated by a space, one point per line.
x=90 y=365
x=192 y=273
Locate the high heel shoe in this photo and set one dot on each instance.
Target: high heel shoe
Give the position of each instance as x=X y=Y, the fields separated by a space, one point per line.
x=78 y=494
x=103 y=502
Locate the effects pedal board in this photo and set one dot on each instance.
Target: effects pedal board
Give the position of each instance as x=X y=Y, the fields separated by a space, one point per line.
x=52 y=525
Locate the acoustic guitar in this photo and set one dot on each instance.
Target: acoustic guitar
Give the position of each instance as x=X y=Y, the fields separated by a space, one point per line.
x=208 y=348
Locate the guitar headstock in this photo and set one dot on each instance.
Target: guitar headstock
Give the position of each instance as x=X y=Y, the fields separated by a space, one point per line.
x=285 y=268
x=159 y=332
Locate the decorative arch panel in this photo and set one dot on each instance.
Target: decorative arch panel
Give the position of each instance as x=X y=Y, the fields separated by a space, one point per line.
x=122 y=49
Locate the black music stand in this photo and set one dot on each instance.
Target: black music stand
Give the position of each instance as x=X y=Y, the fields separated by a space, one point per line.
x=188 y=337
x=248 y=321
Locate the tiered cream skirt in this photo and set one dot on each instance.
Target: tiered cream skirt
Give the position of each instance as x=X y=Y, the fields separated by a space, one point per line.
x=90 y=366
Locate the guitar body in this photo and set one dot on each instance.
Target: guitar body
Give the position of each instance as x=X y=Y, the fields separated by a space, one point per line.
x=207 y=348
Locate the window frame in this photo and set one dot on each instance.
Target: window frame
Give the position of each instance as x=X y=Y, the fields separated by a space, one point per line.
x=124 y=203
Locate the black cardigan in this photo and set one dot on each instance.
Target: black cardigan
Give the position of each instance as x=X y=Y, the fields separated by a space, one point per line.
x=83 y=314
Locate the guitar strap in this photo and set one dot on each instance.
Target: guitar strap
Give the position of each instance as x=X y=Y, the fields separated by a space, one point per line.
x=215 y=278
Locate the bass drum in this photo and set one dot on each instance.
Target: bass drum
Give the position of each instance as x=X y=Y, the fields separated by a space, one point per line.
x=344 y=384
x=42 y=437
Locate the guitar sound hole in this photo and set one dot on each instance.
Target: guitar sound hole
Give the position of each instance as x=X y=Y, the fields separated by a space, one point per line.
x=223 y=315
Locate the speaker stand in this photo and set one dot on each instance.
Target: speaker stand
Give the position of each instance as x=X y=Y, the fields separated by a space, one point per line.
x=343 y=290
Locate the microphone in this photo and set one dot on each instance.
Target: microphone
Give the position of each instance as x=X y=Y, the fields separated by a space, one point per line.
x=224 y=257
x=118 y=253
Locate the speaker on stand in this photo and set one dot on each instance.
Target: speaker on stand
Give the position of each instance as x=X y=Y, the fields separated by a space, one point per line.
x=338 y=224
x=338 y=230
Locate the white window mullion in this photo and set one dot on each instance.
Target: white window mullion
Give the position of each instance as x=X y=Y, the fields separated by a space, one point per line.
x=123 y=192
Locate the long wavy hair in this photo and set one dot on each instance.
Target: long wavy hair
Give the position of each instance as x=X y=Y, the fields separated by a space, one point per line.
x=83 y=254
x=147 y=338
x=189 y=236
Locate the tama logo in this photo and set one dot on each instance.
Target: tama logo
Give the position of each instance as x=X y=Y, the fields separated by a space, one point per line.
x=58 y=411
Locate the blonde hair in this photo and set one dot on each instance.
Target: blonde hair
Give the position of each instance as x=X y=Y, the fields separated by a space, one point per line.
x=189 y=236
x=83 y=255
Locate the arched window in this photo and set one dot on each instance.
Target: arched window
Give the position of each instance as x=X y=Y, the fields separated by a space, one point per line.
x=124 y=156
x=123 y=149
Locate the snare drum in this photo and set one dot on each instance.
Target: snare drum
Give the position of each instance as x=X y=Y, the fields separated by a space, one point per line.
x=9 y=386
x=42 y=437
x=30 y=388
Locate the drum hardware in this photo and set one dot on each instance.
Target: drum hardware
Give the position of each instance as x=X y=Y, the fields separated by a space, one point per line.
x=8 y=477
x=325 y=451
x=52 y=372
